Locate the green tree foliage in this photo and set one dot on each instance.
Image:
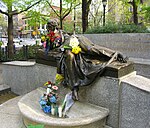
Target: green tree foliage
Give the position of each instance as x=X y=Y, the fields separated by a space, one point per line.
x=97 y=14
x=135 y=4
x=66 y=6
x=3 y=24
x=35 y=18
x=39 y=15
x=146 y=14
x=15 y=7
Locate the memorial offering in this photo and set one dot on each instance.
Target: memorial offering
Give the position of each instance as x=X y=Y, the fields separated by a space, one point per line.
x=50 y=101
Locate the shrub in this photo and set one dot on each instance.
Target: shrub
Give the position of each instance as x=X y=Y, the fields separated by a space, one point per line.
x=1 y=43
x=24 y=53
x=118 y=28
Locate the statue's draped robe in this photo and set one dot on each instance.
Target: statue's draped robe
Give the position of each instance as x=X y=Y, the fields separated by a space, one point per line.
x=83 y=68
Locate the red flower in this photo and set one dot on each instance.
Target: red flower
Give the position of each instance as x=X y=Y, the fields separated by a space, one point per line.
x=49 y=82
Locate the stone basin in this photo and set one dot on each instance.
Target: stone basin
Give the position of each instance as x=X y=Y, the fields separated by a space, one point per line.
x=81 y=115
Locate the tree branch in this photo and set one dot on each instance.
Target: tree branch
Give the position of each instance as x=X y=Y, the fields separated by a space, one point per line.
x=141 y=1
x=97 y=10
x=15 y=13
x=70 y=9
x=130 y=3
x=67 y=13
x=53 y=9
x=89 y=2
x=111 y=7
x=3 y=12
x=92 y=14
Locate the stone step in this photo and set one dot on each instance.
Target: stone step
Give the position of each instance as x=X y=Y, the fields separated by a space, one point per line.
x=4 y=88
x=81 y=115
x=107 y=126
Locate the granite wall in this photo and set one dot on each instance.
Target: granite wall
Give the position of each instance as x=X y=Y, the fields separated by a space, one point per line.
x=127 y=98
x=24 y=77
x=135 y=102
x=135 y=45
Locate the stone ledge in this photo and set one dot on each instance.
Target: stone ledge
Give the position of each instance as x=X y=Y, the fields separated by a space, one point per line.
x=140 y=61
x=138 y=82
x=85 y=116
x=20 y=63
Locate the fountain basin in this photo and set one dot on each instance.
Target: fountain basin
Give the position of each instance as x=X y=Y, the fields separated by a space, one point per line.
x=81 y=115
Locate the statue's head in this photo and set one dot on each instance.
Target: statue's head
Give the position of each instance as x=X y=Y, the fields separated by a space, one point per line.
x=52 y=24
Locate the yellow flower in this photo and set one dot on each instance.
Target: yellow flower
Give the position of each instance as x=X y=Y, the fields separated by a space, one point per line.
x=47 y=83
x=59 y=77
x=43 y=38
x=76 y=50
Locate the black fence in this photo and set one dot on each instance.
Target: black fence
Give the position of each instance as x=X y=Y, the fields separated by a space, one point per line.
x=23 y=53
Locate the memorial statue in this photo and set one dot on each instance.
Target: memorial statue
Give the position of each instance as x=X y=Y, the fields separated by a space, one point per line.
x=80 y=60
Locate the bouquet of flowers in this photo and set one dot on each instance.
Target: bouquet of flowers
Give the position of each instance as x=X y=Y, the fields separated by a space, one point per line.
x=48 y=100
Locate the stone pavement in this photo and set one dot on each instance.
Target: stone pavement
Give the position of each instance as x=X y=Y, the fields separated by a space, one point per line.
x=10 y=116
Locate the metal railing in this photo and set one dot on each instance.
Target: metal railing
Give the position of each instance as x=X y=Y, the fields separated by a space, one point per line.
x=23 y=53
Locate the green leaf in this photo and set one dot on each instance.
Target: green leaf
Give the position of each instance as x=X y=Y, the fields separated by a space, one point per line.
x=35 y=126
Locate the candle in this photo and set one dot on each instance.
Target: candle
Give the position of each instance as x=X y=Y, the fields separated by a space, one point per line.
x=48 y=91
x=56 y=110
x=52 y=110
x=60 y=111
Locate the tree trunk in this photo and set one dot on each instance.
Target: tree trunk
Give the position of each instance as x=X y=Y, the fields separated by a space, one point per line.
x=85 y=12
x=10 y=37
x=61 y=22
x=135 y=16
x=84 y=16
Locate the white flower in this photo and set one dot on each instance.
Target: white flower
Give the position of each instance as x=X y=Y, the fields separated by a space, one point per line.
x=73 y=42
x=54 y=87
x=49 y=85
